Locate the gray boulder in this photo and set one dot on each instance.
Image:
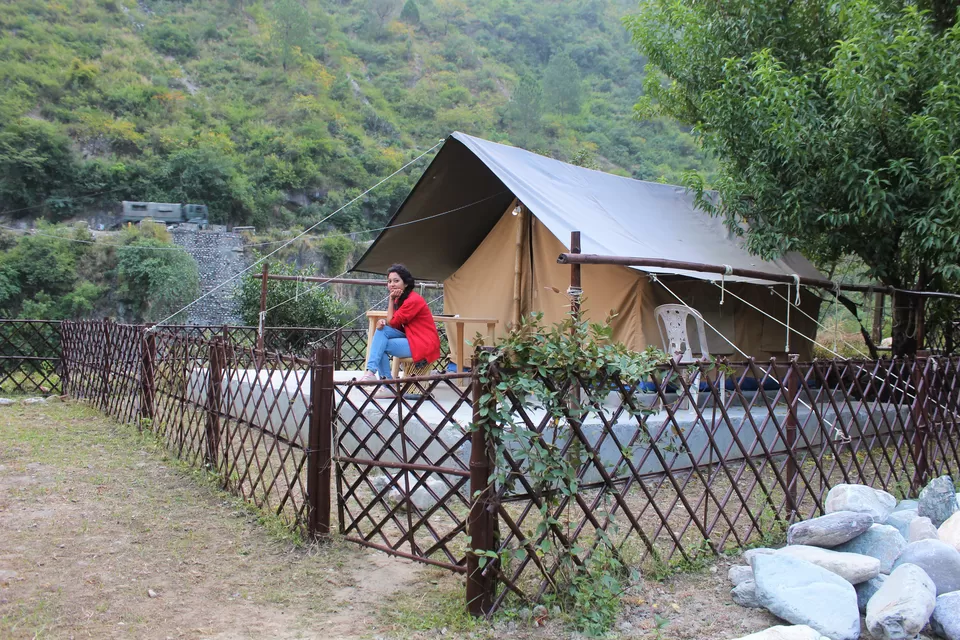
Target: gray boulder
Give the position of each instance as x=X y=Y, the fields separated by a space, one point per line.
x=745 y=595
x=740 y=573
x=865 y=590
x=946 y=616
x=901 y=520
x=803 y=593
x=423 y=495
x=881 y=541
x=902 y=606
x=862 y=499
x=750 y=554
x=906 y=505
x=852 y=567
x=795 y=632
x=940 y=561
x=922 y=529
x=938 y=500
x=829 y=530
x=949 y=531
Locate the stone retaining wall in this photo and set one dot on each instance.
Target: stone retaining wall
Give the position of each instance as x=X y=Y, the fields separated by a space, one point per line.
x=219 y=256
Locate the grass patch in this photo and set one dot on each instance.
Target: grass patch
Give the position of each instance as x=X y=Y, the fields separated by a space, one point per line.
x=37 y=619
x=438 y=602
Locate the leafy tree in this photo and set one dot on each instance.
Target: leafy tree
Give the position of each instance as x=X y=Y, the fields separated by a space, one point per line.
x=837 y=126
x=208 y=175
x=584 y=158
x=410 y=13
x=383 y=9
x=155 y=283
x=35 y=163
x=47 y=263
x=79 y=303
x=298 y=304
x=9 y=285
x=562 y=88
x=524 y=112
x=336 y=249
x=291 y=28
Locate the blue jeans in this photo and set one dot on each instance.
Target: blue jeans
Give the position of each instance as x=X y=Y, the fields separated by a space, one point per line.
x=387 y=342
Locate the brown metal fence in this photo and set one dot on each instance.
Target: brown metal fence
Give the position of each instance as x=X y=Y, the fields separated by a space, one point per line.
x=689 y=463
x=243 y=415
x=30 y=357
x=349 y=345
x=402 y=475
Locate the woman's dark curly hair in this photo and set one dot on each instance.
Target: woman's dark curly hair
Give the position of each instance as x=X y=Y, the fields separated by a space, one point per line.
x=408 y=281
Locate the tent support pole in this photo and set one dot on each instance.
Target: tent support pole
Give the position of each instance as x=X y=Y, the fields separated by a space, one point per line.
x=575 y=291
x=517 y=260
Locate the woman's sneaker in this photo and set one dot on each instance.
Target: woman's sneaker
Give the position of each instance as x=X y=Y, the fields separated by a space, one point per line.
x=386 y=392
x=368 y=376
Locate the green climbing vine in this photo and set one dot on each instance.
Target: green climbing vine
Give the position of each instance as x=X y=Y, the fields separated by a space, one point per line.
x=557 y=376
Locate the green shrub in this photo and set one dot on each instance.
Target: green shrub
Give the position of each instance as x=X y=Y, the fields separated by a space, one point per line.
x=172 y=40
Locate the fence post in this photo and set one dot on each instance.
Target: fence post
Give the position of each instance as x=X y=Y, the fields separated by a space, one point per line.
x=480 y=523
x=319 y=447
x=918 y=380
x=105 y=367
x=63 y=367
x=262 y=318
x=214 y=382
x=793 y=392
x=338 y=348
x=148 y=359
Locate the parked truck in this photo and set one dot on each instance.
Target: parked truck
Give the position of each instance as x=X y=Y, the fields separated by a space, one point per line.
x=164 y=212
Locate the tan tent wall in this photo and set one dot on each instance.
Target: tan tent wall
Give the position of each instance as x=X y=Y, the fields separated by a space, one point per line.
x=605 y=288
x=484 y=287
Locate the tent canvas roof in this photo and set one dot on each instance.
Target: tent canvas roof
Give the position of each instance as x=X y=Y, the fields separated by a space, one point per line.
x=471 y=182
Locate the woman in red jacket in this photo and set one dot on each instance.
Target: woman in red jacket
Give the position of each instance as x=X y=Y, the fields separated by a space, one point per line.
x=409 y=330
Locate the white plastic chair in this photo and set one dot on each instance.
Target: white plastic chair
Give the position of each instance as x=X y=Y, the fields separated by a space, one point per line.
x=672 y=323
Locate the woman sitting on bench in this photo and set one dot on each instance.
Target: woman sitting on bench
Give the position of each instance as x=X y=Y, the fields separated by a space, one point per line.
x=408 y=331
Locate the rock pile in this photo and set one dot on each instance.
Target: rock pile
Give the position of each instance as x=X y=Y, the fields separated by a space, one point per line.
x=897 y=564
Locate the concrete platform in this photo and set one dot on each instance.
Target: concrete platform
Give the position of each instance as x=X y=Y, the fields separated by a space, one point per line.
x=279 y=402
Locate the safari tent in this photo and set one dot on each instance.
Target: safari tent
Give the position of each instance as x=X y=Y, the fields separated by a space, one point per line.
x=489 y=221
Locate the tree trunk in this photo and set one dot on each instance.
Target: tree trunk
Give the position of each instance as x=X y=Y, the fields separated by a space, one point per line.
x=905 y=318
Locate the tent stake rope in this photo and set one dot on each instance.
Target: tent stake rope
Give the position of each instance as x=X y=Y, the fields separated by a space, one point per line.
x=291 y=240
x=839 y=434
x=842 y=357
x=825 y=347
x=679 y=265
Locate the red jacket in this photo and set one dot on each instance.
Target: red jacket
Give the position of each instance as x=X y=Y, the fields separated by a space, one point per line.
x=415 y=319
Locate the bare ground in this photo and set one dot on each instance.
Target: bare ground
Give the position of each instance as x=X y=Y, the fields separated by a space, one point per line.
x=103 y=536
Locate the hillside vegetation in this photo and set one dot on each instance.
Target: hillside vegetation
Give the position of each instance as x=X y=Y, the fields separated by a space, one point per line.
x=275 y=113
x=62 y=272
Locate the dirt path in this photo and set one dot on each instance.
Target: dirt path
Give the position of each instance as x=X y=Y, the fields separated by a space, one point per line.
x=104 y=538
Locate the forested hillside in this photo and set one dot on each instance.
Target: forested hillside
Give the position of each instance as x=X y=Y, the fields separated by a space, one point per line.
x=275 y=113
